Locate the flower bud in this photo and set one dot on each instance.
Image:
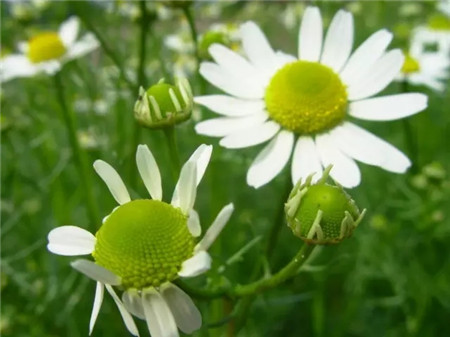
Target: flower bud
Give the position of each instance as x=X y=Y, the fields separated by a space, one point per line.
x=164 y=105
x=321 y=213
x=210 y=38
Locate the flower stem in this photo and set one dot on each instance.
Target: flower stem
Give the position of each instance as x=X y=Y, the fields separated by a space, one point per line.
x=190 y=18
x=250 y=289
x=284 y=274
x=80 y=158
x=169 y=132
x=80 y=9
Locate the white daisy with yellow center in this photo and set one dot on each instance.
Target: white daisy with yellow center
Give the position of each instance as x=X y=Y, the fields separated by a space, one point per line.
x=47 y=52
x=278 y=97
x=145 y=244
x=425 y=68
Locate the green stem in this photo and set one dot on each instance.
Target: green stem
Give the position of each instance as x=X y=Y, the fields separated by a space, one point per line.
x=289 y=271
x=169 y=132
x=284 y=274
x=279 y=219
x=190 y=18
x=410 y=135
x=106 y=47
x=145 y=23
x=81 y=161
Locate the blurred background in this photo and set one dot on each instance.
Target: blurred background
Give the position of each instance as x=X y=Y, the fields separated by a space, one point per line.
x=392 y=278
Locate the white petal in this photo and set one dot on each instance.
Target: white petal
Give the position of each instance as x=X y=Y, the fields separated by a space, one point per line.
x=344 y=171
x=230 y=106
x=83 y=46
x=387 y=108
x=149 y=171
x=96 y=272
x=159 y=318
x=201 y=157
x=215 y=228
x=339 y=41
x=231 y=84
x=184 y=311
x=236 y=65
x=283 y=59
x=99 y=291
x=133 y=303
x=68 y=31
x=186 y=188
x=378 y=77
x=365 y=56
x=305 y=160
x=251 y=136
x=70 y=241
x=194 y=223
x=223 y=126
x=271 y=160
x=196 y=265
x=310 y=35
x=112 y=179
x=368 y=148
x=258 y=49
x=16 y=65
x=127 y=319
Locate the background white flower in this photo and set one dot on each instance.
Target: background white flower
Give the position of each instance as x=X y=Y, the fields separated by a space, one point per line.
x=48 y=51
x=268 y=98
x=162 y=304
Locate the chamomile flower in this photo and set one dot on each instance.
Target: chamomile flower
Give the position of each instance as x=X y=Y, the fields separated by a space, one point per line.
x=437 y=30
x=144 y=245
x=425 y=68
x=47 y=52
x=302 y=104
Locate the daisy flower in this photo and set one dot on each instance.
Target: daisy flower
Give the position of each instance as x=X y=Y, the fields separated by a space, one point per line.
x=302 y=104
x=47 y=52
x=437 y=31
x=425 y=68
x=144 y=245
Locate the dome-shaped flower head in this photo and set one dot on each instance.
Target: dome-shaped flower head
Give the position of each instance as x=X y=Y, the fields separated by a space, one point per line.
x=303 y=104
x=48 y=51
x=144 y=245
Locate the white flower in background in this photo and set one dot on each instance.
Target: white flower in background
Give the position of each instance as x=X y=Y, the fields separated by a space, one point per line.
x=302 y=104
x=437 y=31
x=425 y=68
x=145 y=244
x=47 y=52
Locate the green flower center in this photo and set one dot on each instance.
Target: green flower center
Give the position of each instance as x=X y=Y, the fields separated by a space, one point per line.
x=439 y=22
x=333 y=202
x=411 y=65
x=306 y=97
x=161 y=93
x=45 y=47
x=144 y=242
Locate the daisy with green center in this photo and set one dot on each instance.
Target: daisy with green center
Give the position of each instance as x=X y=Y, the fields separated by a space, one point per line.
x=47 y=52
x=307 y=101
x=144 y=245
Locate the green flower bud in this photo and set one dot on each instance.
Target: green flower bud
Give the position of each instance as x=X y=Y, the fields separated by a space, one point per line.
x=164 y=105
x=321 y=213
x=208 y=39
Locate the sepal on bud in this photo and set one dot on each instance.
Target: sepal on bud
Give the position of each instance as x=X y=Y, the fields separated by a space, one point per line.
x=321 y=213
x=164 y=105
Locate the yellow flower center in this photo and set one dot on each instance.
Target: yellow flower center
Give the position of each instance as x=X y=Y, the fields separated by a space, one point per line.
x=306 y=97
x=411 y=65
x=144 y=242
x=45 y=47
